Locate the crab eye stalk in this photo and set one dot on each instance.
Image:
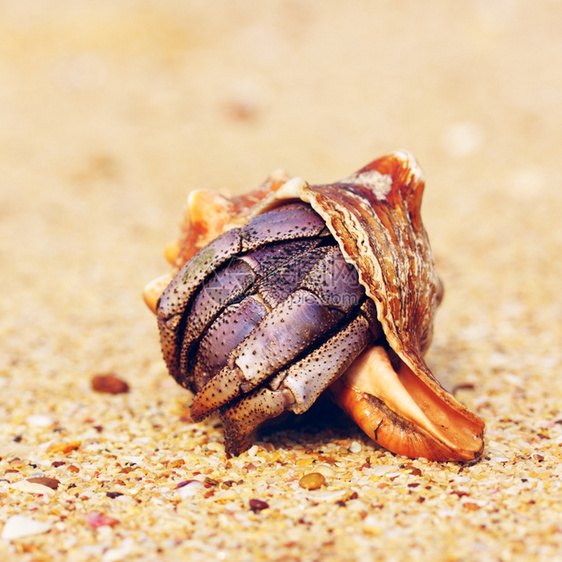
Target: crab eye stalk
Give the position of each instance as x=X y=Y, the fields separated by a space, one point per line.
x=293 y=289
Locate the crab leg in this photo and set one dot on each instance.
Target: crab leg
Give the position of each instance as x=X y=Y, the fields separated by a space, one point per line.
x=287 y=263
x=228 y=331
x=223 y=288
x=297 y=387
x=288 y=223
x=227 y=285
x=284 y=334
x=328 y=293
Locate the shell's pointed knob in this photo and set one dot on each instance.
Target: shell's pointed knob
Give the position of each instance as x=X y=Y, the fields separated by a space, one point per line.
x=154 y=289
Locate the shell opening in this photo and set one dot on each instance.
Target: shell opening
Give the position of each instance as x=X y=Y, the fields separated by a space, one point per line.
x=403 y=414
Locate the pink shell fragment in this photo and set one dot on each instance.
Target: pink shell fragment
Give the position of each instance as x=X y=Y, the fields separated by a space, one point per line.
x=96 y=519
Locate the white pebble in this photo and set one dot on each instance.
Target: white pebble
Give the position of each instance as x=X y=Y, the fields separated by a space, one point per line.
x=380 y=469
x=325 y=470
x=136 y=459
x=253 y=450
x=18 y=526
x=190 y=489
x=372 y=522
x=39 y=420
x=32 y=488
x=355 y=447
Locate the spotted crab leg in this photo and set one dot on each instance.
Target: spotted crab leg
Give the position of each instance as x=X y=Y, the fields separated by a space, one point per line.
x=307 y=314
x=229 y=284
x=297 y=387
x=277 y=271
x=289 y=223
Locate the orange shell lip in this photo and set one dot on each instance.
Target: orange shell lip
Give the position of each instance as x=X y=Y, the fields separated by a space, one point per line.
x=403 y=414
x=154 y=289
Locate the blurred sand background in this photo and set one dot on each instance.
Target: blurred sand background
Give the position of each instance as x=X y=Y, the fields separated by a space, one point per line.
x=111 y=112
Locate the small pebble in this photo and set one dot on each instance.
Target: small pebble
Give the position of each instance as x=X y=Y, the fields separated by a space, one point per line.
x=95 y=520
x=52 y=483
x=217 y=447
x=188 y=483
x=471 y=506
x=63 y=447
x=32 y=488
x=189 y=488
x=325 y=470
x=258 y=505
x=355 y=447
x=109 y=383
x=113 y=495
x=18 y=526
x=252 y=451
x=312 y=481
x=380 y=469
x=39 y=420
x=210 y=482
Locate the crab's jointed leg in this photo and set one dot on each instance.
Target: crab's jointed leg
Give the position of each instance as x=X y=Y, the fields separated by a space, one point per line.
x=297 y=387
x=288 y=223
x=326 y=296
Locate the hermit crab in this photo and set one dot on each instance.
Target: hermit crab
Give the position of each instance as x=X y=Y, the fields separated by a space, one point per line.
x=294 y=289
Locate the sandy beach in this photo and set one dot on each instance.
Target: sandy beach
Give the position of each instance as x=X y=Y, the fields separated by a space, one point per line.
x=112 y=112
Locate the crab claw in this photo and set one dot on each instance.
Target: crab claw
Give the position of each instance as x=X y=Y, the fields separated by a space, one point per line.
x=405 y=414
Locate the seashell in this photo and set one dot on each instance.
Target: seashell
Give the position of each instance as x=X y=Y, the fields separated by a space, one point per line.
x=373 y=218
